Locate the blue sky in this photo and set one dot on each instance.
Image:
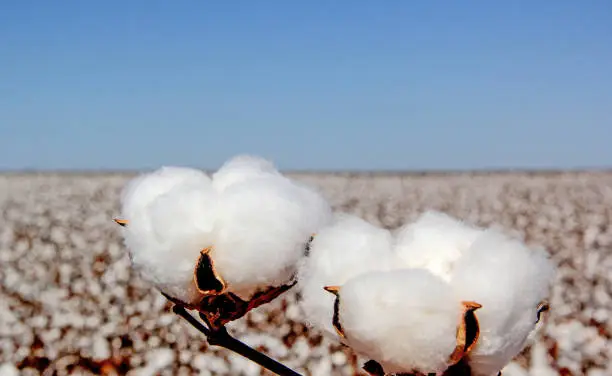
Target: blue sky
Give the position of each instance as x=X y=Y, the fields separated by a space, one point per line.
x=362 y=85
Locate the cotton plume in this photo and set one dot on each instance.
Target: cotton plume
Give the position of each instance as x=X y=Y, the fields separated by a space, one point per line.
x=348 y=247
x=506 y=277
x=170 y=213
x=243 y=168
x=510 y=280
x=435 y=241
x=406 y=320
x=261 y=232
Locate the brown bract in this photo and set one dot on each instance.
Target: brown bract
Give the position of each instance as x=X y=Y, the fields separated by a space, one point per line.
x=467 y=332
x=121 y=222
x=336 y=318
x=218 y=306
x=218 y=310
x=206 y=278
x=542 y=308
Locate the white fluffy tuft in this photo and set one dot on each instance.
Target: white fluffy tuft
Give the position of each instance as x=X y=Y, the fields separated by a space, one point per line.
x=145 y=188
x=406 y=320
x=257 y=221
x=242 y=168
x=262 y=228
x=170 y=213
x=485 y=266
x=509 y=280
x=434 y=242
x=348 y=247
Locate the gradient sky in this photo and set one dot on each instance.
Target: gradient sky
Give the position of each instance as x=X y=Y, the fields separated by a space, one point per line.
x=311 y=84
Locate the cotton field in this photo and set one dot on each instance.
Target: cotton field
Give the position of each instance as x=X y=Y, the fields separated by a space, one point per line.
x=71 y=304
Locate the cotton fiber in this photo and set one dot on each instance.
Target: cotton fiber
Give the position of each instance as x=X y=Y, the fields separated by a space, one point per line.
x=346 y=248
x=406 y=320
x=251 y=221
x=502 y=274
x=261 y=231
x=434 y=242
x=170 y=213
x=510 y=281
x=242 y=168
x=435 y=269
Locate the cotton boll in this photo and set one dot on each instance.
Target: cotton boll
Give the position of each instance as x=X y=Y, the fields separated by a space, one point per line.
x=509 y=280
x=170 y=215
x=434 y=242
x=406 y=320
x=346 y=248
x=263 y=226
x=242 y=168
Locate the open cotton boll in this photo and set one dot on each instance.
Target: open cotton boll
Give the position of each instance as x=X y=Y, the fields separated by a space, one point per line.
x=406 y=320
x=346 y=248
x=170 y=215
x=434 y=242
x=263 y=226
x=241 y=168
x=509 y=280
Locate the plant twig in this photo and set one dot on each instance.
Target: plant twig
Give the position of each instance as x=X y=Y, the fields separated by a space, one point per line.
x=221 y=337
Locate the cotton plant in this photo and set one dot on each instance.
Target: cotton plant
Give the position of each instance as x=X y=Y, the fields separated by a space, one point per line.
x=437 y=296
x=441 y=297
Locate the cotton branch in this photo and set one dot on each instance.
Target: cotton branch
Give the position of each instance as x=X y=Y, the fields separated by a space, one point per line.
x=221 y=337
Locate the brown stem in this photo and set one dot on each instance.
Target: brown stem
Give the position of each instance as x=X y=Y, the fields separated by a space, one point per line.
x=220 y=337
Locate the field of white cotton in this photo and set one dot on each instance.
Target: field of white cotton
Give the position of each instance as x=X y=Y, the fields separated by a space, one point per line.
x=71 y=304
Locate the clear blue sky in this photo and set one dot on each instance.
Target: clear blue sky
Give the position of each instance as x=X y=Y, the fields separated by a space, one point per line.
x=311 y=84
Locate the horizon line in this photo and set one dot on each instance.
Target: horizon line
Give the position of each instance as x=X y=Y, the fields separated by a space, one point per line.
x=382 y=171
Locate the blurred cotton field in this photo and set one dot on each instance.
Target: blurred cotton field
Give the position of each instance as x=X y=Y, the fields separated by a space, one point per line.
x=71 y=304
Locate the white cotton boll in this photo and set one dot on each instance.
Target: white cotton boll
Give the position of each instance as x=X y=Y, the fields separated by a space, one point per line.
x=434 y=242
x=509 y=280
x=406 y=320
x=346 y=248
x=241 y=168
x=170 y=215
x=263 y=226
